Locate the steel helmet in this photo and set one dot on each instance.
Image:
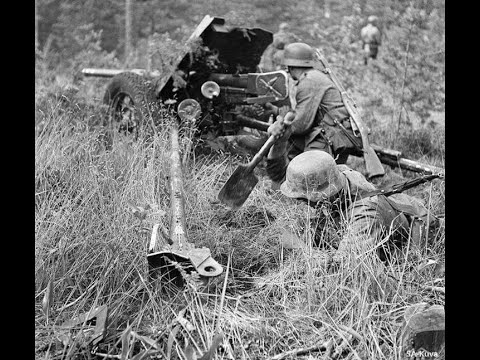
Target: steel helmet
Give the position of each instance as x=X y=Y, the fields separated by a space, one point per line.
x=283 y=26
x=372 y=19
x=298 y=55
x=313 y=175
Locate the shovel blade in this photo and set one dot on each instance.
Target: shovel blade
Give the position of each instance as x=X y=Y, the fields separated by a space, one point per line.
x=238 y=187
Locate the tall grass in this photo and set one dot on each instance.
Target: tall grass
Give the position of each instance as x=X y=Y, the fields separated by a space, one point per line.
x=91 y=247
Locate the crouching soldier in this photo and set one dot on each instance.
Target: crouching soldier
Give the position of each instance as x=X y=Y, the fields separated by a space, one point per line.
x=374 y=222
x=322 y=121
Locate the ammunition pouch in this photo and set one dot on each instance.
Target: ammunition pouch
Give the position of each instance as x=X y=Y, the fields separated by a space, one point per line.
x=335 y=136
x=339 y=140
x=339 y=137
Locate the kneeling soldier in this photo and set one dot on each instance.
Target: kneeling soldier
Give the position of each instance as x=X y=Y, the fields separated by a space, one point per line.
x=322 y=121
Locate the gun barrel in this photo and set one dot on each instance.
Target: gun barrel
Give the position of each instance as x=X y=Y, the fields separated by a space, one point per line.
x=240 y=81
x=109 y=73
x=105 y=73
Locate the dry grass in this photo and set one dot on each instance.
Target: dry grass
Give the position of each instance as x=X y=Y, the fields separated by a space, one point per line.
x=92 y=248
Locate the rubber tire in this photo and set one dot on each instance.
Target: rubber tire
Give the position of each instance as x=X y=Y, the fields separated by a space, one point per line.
x=136 y=87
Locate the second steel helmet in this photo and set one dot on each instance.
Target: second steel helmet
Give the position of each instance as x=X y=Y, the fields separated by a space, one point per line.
x=283 y=26
x=372 y=19
x=313 y=175
x=299 y=55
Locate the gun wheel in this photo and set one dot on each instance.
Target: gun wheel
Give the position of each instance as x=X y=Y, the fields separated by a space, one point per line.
x=128 y=96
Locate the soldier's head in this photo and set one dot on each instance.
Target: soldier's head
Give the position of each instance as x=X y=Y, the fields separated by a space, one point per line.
x=372 y=19
x=283 y=27
x=313 y=176
x=298 y=57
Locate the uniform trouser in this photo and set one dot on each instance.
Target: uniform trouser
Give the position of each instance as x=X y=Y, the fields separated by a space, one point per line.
x=370 y=50
x=373 y=51
x=318 y=144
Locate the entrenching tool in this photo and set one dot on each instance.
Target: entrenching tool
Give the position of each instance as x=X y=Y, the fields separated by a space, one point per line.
x=176 y=256
x=241 y=183
x=372 y=162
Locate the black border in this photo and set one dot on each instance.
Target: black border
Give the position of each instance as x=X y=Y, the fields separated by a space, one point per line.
x=461 y=180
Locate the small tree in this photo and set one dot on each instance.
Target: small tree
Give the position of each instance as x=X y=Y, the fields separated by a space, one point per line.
x=128 y=28
x=414 y=60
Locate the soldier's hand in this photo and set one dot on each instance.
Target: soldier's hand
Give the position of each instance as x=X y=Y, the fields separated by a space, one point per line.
x=258 y=110
x=274 y=109
x=289 y=117
x=281 y=127
x=277 y=128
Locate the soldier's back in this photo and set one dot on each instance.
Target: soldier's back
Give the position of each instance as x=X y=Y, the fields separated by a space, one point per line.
x=370 y=34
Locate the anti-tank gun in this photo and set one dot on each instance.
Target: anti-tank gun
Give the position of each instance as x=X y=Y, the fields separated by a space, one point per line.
x=219 y=70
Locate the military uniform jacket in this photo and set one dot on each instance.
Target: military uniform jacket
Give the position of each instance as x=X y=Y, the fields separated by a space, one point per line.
x=318 y=105
x=375 y=223
x=371 y=35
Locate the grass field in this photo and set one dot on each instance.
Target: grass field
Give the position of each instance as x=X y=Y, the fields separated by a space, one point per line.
x=270 y=302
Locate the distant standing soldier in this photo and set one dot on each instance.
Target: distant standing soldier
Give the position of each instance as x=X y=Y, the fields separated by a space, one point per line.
x=371 y=39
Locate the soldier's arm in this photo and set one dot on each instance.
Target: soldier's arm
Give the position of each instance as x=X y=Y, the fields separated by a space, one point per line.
x=277 y=168
x=378 y=37
x=277 y=159
x=363 y=35
x=362 y=233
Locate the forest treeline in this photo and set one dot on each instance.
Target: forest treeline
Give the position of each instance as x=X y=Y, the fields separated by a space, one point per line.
x=72 y=34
